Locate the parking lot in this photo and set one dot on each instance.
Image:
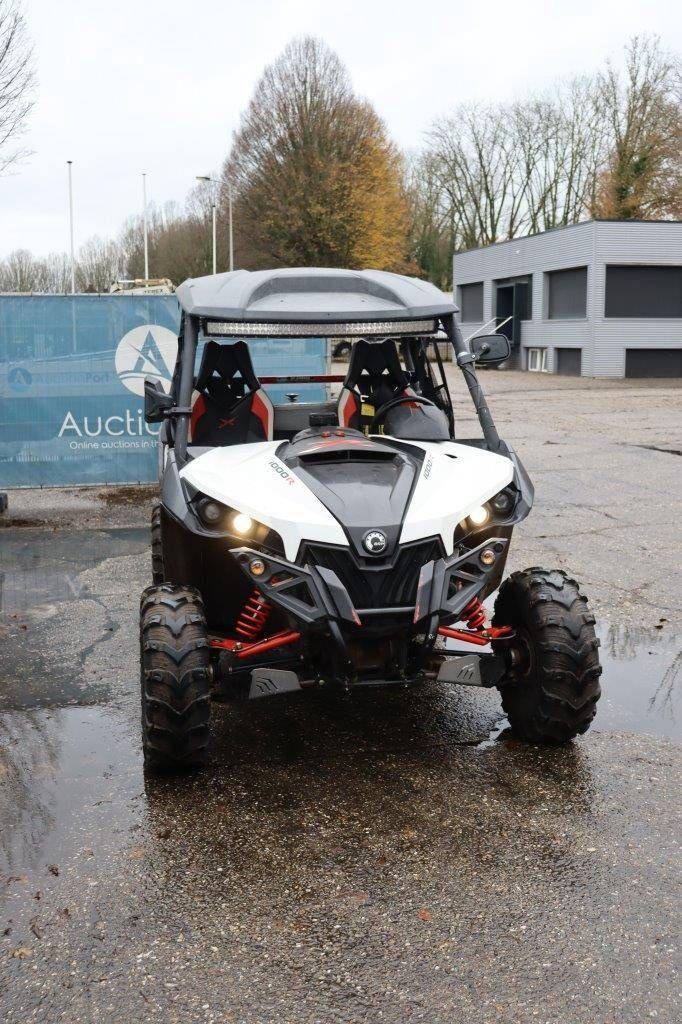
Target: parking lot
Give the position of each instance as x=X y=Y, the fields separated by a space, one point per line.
x=386 y=857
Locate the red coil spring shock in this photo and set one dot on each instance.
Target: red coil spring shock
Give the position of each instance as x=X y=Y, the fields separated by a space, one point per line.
x=253 y=616
x=474 y=614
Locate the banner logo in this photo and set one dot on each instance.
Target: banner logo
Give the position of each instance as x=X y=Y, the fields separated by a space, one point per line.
x=147 y=351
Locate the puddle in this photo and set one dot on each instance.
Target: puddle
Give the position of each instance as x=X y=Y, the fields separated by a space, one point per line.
x=39 y=567
x=63 y=773
x=641 y=681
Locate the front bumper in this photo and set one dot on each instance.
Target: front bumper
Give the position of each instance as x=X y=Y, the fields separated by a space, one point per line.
x=314 y=596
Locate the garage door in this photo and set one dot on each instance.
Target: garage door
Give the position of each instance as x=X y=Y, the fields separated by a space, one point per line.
x=653 y=362
x=569 y=361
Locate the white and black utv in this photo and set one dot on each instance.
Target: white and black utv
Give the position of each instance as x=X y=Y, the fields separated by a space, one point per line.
x=341 y=542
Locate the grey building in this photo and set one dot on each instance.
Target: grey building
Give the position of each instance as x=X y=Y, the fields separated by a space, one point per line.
x=600 y=298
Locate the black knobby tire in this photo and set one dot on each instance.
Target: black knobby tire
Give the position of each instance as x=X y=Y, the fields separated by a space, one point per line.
x=551 y=691
x=176 y=678
x=158 y=575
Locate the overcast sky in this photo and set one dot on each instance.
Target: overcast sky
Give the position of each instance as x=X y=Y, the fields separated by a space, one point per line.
x=158 y=85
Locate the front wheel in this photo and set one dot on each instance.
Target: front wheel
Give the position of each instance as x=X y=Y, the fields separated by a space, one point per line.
x=176 y=679
x=158 y=573
x=551 y=689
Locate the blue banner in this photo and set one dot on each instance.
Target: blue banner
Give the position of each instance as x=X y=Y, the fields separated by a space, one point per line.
x=72 y=372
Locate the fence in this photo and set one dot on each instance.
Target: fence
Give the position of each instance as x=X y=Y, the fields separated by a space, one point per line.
x=72 y=372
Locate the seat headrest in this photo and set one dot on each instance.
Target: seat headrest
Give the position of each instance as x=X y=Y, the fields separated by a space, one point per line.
x=374 y=360
x=227 y=361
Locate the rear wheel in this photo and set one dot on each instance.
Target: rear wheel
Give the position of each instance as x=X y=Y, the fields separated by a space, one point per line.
x=175 y=678
x=551 y=691
x=158 y=575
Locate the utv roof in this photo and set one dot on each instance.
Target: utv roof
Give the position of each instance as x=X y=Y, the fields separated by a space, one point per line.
x=313 y=295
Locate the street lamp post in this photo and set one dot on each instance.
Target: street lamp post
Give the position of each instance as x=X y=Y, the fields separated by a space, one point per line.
x=229 y=200
x=73 y=260
x=211 y=181
x=144 y=222
x=213 y=216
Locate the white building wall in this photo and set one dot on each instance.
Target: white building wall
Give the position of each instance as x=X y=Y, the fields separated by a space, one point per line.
x=592 y=244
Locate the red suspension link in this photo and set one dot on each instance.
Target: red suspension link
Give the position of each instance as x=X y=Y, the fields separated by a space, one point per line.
x=253 y=616
x=473 y=614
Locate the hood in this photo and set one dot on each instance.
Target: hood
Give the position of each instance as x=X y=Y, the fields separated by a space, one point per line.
x=365 y=484
x=335 y=490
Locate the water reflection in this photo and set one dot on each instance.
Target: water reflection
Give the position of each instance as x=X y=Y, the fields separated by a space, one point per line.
x=641 y=680
x=29 y=753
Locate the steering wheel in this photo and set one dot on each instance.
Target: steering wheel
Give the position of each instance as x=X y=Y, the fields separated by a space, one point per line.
x=380 y=414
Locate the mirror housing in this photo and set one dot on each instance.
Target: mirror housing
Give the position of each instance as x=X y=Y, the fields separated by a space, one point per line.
x=156 y=401
x=490 y=349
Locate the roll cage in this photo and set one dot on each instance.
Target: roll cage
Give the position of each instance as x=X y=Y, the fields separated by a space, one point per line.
x=369 y=305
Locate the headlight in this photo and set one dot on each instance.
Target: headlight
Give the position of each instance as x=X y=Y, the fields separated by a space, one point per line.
x=497 y=509
x=211 y=512
x=479 y=516
x=241 y=524
x=503 y=502
x=222 y=519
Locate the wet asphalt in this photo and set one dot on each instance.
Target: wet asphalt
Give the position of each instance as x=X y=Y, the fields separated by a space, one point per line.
x=394 y=856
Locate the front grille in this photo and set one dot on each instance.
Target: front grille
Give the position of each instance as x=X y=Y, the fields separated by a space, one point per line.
x=388 y=583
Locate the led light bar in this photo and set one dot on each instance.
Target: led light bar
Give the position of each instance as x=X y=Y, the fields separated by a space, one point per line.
x=387 y=328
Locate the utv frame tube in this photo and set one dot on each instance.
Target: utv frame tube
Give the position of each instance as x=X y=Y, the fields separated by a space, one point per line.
x=465 y=361
x=188 y=342
x=463 y=356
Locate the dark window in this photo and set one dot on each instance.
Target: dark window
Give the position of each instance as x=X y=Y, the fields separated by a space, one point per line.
x=471 y=301
x=653 y=362
x=637 y=291
x=567 y=294
x=569 y=361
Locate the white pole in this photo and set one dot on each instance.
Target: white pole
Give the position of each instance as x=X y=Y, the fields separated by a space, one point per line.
x=229 y=198
x=144 y=221
x=215 y=263
x=73 y=260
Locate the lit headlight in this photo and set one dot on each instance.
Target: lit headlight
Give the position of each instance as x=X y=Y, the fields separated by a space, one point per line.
x=241 y=524
x=479 y=516
x=231 y=523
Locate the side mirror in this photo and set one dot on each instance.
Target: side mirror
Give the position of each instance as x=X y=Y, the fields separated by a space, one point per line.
x=156 y=401
x=490 y=349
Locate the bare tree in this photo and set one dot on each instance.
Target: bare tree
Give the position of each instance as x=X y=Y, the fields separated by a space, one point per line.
x=606 y=146
x=23 y=272
x=478 y=165
x=17 y=81
x=179 y=244
x=643 y=178
x=57 y=273
x=431 y=229
x=99 y=263
x=561 y=143
x=18 y=272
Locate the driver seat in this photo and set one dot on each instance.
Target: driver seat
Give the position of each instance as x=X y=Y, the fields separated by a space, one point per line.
x=374 y=377
x=229 y=405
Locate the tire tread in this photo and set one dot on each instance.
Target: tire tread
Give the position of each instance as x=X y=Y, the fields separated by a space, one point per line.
x=176 y=678
x=557 y=699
